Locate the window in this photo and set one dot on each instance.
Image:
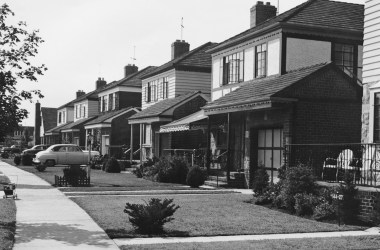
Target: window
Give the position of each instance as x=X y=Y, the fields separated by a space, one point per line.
x=84 y=111
x=165 y=88
x=59 y=117
x=154 y=91
x=233 y=68
x=261 y=60
x=376 y=132
x=344 y=57
x=63 y=116
x=104 y=103
x=112 y=101
x=148 y=92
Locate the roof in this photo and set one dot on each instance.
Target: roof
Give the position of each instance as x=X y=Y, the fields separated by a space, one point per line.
x=76 y=124
x=185 y=123
x=312 y=14
x=133 y=80
x=262 y=90
x=196 y=59
x=162 y=106
x=103 y=118
x=57 y=129
x=49 y=118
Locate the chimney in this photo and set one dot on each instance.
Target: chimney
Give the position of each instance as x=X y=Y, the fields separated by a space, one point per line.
x=100 y=83
x=179 y=47
x=260 y=13
x=80 y=93
x=37 y=124
x=130 y=69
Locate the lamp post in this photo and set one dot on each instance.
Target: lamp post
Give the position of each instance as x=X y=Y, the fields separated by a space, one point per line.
x=89 y=141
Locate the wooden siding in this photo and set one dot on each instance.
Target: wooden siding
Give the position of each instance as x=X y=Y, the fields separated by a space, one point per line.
x=92 y=108
x=371 y=50
x=187 y=81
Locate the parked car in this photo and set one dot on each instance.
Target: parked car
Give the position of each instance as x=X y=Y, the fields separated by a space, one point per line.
x=34 y=150
x=63 y=154
x=14 y=149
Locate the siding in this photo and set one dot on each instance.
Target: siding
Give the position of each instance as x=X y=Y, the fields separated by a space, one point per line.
x=92 y=108
x=371 y=51
x=299 y=54
x=187 y=81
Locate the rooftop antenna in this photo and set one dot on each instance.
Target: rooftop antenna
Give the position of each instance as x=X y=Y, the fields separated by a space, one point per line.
x=182 y=27
x=278 y=7
x=134 y=54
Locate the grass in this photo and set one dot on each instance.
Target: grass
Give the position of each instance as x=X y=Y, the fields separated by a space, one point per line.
x=7 y=218
x=102 y=181
x=362 y=242
x=203 y=215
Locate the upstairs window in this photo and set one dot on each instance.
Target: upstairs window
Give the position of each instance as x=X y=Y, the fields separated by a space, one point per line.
x=261 y=60
x=344 y=57
x=104 y=104
x=59 y=117
x=148 y=92
x=111 y=101
x=84 y=111
x=233 y=68
x=165 y=88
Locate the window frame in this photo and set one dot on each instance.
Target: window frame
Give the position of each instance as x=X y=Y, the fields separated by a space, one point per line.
x=233 y=68
x=261 y=57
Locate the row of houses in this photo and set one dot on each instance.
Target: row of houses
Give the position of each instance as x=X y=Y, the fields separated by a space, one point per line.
x=292 y=78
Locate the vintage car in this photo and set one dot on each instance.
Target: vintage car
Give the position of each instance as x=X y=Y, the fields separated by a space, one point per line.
x=63 y=154
x=34 y=150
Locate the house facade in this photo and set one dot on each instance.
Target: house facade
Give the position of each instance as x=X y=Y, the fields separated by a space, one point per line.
x=273 y=84
x=173 y=90
x=117 y=101
x=371 y=73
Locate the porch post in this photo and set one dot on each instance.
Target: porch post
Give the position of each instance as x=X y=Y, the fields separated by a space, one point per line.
x=141 y=142
x=208 y=145
x=228 y=145
x=131 y=152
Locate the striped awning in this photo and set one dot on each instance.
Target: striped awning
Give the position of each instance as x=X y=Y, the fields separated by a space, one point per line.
x=191 y=122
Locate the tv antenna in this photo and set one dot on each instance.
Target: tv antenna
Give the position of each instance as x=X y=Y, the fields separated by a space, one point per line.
x=134 y=54
x=182 y=27
x=278 y=7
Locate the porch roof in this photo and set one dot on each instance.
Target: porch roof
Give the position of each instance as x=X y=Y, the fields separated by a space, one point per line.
x=189 y=122
x=107 y=117
x=76 y=124
x=57 y=129
x=261 y=93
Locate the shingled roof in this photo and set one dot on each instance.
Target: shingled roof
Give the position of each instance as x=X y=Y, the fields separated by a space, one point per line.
x=108 y=115
x=77 y=124
x=266 y=89
x=197 y=58
x=312 y=14
x=162 y=106
x=57 y=129
x=49 y=118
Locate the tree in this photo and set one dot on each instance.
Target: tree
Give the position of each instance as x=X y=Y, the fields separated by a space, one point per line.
x=17 y=47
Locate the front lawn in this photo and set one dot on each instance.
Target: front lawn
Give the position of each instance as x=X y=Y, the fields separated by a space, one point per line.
x=362 y=242
x=203 y=215
x=7 y=218
x=102 y=181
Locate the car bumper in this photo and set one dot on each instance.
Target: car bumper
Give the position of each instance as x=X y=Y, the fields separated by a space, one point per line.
x=35 y=161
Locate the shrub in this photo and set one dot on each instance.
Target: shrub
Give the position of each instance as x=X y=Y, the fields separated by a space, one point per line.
x=112 y=166
x=304 y=203
x=138 y=171
x=27 y=160
x=179 y=169
x=149 y=218
x=260 y=180
x=40 y=167
x=196 y=177
x=350 y=204
x=73 y=173
x=4 y=155
x=17 y=160
x=268 y=196
x=324 y=211
x=298 y=179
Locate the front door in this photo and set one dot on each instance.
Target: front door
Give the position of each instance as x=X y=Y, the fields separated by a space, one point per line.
x=105 y=144
x=270 y=150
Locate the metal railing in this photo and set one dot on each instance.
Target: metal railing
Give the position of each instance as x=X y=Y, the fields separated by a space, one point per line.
x=193 y=156
x=330 y=161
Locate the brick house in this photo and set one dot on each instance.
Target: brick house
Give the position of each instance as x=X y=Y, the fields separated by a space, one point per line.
x=117 y=101
x=273 y=84
x=173 y=90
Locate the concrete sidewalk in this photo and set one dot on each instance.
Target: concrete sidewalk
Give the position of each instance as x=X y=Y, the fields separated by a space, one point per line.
x=47 y=219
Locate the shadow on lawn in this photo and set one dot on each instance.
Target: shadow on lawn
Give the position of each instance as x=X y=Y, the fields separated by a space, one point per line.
x=123 y=233
x=69 y=234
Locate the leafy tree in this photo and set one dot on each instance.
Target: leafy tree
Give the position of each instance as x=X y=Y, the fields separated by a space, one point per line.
x=17 y=47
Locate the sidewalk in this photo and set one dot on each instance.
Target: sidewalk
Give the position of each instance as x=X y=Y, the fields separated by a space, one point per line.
x=47 y=219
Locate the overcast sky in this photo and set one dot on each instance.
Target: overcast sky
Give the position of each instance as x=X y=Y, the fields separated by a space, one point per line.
x=87 y=39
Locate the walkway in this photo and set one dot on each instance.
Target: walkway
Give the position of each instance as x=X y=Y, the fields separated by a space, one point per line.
x=47 y=219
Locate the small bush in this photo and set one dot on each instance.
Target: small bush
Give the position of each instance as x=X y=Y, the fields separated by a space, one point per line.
x=112 y=166
x=40 y=167
x=324 y=211
x=196 y=177
x=304 y=203
x=350 y=204
x=27 y=160
x=180 y=168
x=73 y=173
x=260 y=180
x=268 y=196
x=149 y=218
x=17 y=160
x=4 y=155
x=138 y=171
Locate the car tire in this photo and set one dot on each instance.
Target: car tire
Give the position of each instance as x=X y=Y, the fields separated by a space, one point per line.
x=49 y=163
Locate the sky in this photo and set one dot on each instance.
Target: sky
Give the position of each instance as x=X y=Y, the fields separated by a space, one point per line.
x=87 y=39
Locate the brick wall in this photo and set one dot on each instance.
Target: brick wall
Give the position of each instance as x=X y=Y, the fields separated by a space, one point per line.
x=367 y=202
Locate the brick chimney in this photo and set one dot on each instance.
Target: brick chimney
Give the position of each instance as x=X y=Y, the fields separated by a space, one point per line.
x=80 y=93
x=100 y=83
x=260 y=13
x=130 y=69
x=37 y=124
x=179 y=47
